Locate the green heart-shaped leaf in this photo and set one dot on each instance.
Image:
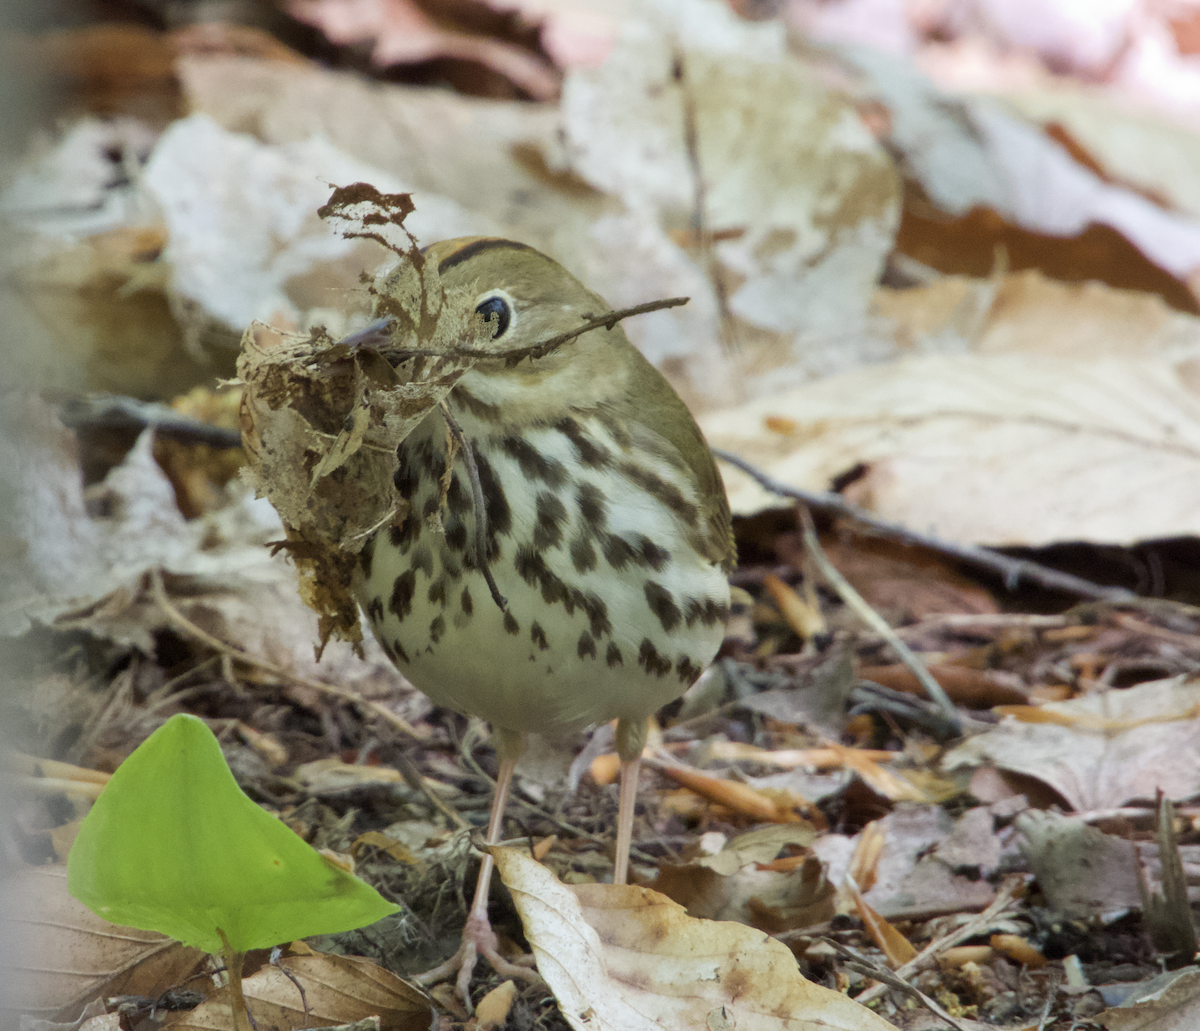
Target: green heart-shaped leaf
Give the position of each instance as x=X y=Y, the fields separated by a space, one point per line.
x=174 y=845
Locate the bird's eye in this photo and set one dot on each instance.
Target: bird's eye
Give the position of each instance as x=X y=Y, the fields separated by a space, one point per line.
x=497 y=311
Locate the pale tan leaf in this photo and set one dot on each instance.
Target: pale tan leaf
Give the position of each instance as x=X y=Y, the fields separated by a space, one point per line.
x=807 y=196
x=67 y=955
x=622 y=958
x=1171 y=1002
x=1120 y=745
x=1133 y=145
x=993 y=449
x=337 y=990
x=403 y=33
x=1082 y=871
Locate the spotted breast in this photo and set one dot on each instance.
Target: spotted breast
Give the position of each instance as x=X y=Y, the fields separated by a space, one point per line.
x=606 y=526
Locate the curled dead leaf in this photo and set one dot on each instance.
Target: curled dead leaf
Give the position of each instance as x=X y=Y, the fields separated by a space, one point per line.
x=321 y=419
x=623 y=958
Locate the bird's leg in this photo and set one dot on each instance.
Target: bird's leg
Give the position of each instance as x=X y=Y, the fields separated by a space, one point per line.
x=631 y=739
x=478 y=937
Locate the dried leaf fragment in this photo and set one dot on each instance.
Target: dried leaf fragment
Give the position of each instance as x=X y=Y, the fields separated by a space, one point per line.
x=321 y=419
x=628 y=958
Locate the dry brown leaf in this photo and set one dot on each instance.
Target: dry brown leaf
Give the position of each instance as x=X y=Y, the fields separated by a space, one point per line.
x=621 y=958
x=996 y=449
x=1083 y=871
x=493 y=1009
x=897 y=949
x=1171 y=1002
x=975 y=153
x=1141 y=740
x=1132 y=144
x=321 y=420
x=911 y=880
x=974 y=688
x=402 y=33
x=796 y=182
x=67 y=955
x=337 y=990
x=899 y=579
x=745 y=883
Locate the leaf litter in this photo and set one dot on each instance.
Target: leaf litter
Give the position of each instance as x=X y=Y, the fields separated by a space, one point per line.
x=1082 y=709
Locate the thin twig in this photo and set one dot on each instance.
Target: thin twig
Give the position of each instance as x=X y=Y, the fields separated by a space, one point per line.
x=1013 y=570
x=539 y=350
x=976 y=925
x=877 y=623
x=862 y=965
x=477 y=503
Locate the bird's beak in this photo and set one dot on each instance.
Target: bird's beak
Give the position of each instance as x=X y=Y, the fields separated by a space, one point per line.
x=376 y=334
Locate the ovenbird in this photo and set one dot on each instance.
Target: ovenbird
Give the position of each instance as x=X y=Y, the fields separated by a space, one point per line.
x=571 y=568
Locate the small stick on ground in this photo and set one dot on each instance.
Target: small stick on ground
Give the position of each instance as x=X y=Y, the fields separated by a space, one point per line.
x=976 y=925
x=876 y=622
x=1013 y=570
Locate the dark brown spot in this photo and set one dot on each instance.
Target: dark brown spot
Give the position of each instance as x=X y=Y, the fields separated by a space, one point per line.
x=510 y=624
x=458 y=500
x=482 y=410
x=591 y=506
x=403 y=534
x=618 y=551
x=422 y=559
x=400 y=603
x=388 y=650
x=533 y=463
x=538 y=636
x=428 y=458
x=437 y=592
x=651 y=554
x=365 y=556
x=613 y=657
x=666 y=493
x=551 y=516
x=587 y=451
x=468 y=606
x=499 y=516
x=431 y=506
x=650 y=660
x=532 y=568
x=595 y=609
x=488 y=243
x=406 y=477
x=662 y=605
x=375 y=610
x=705 y=611
x=456 y=536
x=687 y=671
x=398 y=648
x=587 y=646
x=616 y=430
x=436 y=628
x=583 y=555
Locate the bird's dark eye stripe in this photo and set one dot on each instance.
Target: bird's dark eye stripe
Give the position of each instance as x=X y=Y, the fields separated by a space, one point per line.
x=497 y=308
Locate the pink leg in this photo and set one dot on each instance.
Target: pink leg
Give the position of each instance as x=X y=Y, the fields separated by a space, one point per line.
x=478 y=937
x=631 y=739
x=628 y=800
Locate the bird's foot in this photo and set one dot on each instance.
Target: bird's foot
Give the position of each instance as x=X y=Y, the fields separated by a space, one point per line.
x=479 y=940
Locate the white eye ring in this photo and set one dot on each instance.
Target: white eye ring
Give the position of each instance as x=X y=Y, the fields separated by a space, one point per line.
x=496 y=307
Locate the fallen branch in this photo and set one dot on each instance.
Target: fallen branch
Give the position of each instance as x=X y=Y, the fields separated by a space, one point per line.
x=1013 y=570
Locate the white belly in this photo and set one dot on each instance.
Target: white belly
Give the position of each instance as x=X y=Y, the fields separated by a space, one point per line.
x=610 y=614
